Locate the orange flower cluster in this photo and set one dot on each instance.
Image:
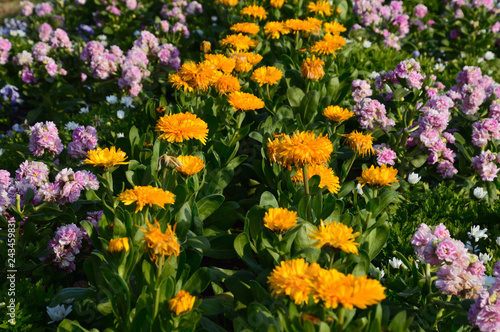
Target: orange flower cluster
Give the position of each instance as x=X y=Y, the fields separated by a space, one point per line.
x=254 y=11
x=250 y=28
x=328 y=45
x=328 y=177
x=239 y=42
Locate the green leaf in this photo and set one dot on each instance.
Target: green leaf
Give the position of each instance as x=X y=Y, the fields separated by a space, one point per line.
x=309 y=106
x=419 y=160
x=295 y=96
x=242 y=247
x=208 y=204
x=492 y=192
x=198 y=281
x=377 y=239
x=267 y=200
x=72 y=326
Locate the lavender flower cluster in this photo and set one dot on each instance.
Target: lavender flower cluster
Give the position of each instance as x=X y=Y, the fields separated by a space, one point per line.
x=180 y=9
x=63 y=247
x=485 y=312
x=459 y=273
x=44 y=137
x=84 y=139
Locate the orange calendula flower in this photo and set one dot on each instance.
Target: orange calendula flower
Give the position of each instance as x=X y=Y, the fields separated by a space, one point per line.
x=190 y=165
x=360 y=143
x=315 y=25
x=226 y=84
x=337 y=113
x=301 y=148
x=328 y=178
x=335 y=235
x=334 y=28
x=242 y=101
x=280 y=220
x=250 y=28
x=182 y=126
x=228 y=3
x=254 y=11
x=378 y=176
x=267 y=75
x=221 y=62
x=179 y=83
x=205 y=46
x=360 y=292
x=322 y=8
x=293 y=278
x=312 y=68
x=275 y=29
x=146 y=195
x=157 y=243
x=198 y=76
x=118 y=245
x=181 y=303
x=277 y=3
x=323 y=284
x=244 y=61
x=328 y=45
x=295 y=25
x=106 y=158
x=239 y=42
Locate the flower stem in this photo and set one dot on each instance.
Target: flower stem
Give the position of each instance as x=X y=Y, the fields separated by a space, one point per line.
x=341 y=316
x=306 y=179
x=350 y=166
x=268 y=94
x=157 y=292
x=332 y=259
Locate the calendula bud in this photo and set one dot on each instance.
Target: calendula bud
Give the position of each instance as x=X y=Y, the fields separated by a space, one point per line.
x=205 y=46
x=118 y=245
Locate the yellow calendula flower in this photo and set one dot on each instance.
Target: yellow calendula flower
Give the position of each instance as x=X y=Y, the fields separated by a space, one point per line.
x=275 y=29
x=301 y=148
x=323 y=284
x=334 y=28
x=181 y=303
x=314 y=25
x=190 y=165
x=277 y=3
x=205 y=46
x=228 y=3
x=227 y=84
x=293 y=278
x=359 y=292
x=328 y=178
x=266 y=75
x=239 y=42
x=106 y=158
x=181 y=127
x=198 y=76
x=280 y=220
x=337 y=113
x=242 y=101
x=157 y=243
x=146 y=195
x=312 y=68
x=360 y=143
x=295 y=25
x=335 y=235
x=118 y=245
x=322 y=8
x=378 y=176
x=328 y=45
x=250 y=28
x=254 y=11
x=245 y=61
x=221 y=62
x=179 y=83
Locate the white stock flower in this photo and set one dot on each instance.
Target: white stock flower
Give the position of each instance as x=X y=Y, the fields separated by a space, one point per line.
x=498 y=241
x=485 y=258
x=120 y=114
x=477 y=233
x=439 y=67
x=359 y=189
x=71 y=125
x=120 y=135
x=84 y=110
x=396 y=263
x=58 y=313
x=414 y=178
x=111 y=99
x=489 y=56
x=479 y=192
x=127 y=101
x=488 y=281
x=367 y=44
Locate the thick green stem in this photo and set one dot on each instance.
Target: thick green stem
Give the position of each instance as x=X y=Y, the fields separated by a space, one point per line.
x=157 y=292
x=306 y=179
x=268 y=94
x=341 y=317
x=332 y=259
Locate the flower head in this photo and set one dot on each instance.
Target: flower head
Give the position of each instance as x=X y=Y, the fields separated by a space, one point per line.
x=239 y=42
x=335 y=235
x=58 y=312
x=182 y=126
x=250 y=28
x=118 y=245
x=181 y=303
x=359 y=292
x=334 y=28
x=157 y=243
x=280 y=220
x=277 y=3
x=257 y=12
x=227 y=83
x=337 y=113
x=146 y=195
x=196 y=76
x=321 y=8
x=328 y=178
x=244 y=61
x=360 y=143
x=414 y=178
x=179 y=83
x=267 y=75
x=312 y=68
x=221 y=62
x=396 y=263
x=328 y=45
x=242 y=101
x=480 y=193
x=274 y=29
x=378 y=176
x=190 y=165
x=106 y=158
x=477 y=233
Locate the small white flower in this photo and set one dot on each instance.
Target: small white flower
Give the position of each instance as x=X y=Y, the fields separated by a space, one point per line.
x=498 y=241
x=396 y=263
x=199 y=32
x=490 y=72
x=480 y=60
x=380 y=271
x=348 y=41
x=111 y=99
x=84 y=110
x=477 y=233
x=102 y=37
x=359 y=189
x=489 y=56
x=21 y=33
x=127 y=101
x=137 y=33
x=214 y=18
x=470 y=247
x=387 y=88
x=58 y=313
x=120 y=114
x=71 y=125
x=13 y=33
x=374 y=75
x=1 y=152
x=488 y=281
x=485 y=258
x=439 y=67
x=120 y=135
x=479 y=192
x=367 y=44
x=414 y=178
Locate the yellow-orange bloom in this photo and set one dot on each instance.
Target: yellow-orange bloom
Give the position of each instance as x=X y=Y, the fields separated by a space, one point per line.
x=337 y=113
x=157 y=243
x=322 y=8
x=323 y=284
x=293 y=278
x=244 y=61
x=328 y=45
x=181 y=303
x=221 y=62
x=254 y=11
x=226 y=84
x=250 y=28
x=198 y=76
x=146 y=195
x=312 y=68
x=106 y=158
x=275 y=29
x=280 y=220
x=242 y=101
x=228 y=3
x=328 y=178
x=277 y=3
x=334 y=28
x=179 y=83
x=295 y=25
x=378 y=176
x=299 y=149
x=190 y=165
x=182 y=126
x=267 y=75
x=360 y=143
x=239 y=42
x=335 y=235
x=205 y=46
x=118 y=245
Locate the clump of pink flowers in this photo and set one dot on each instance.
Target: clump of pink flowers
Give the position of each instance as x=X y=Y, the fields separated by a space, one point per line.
x=485 y=312
x=84 y=139
x=68 y=186
x=44 y=137
x=64 y=246
x=385 y=155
